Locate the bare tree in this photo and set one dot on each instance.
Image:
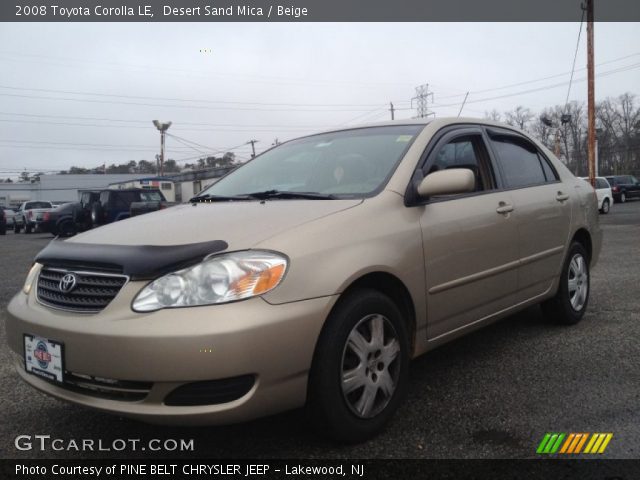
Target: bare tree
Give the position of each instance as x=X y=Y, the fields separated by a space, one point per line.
x=519 y=117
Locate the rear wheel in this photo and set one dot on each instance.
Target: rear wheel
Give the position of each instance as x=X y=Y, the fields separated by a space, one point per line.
x=605 y=206
x=66 y=228
x=572 y=298
x=16 y=227
x=360 y=369
x=27 y=227
x=623 y=197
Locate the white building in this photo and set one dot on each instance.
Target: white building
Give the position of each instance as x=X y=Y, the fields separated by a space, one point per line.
x=59 y=188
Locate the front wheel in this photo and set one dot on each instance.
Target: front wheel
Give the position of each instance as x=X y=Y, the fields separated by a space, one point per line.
x=570 y=302
x=360 y=368
x=605 y=206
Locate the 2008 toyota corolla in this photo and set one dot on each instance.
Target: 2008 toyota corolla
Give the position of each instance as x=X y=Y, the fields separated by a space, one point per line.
x=309 y=275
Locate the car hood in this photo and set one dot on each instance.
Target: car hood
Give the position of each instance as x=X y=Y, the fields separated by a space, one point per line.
x=240 y=224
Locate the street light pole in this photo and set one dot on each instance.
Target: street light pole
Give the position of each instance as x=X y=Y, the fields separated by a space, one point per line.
x=162 y=127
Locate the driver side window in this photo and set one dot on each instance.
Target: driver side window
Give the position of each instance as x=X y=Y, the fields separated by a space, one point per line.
x=464 y=152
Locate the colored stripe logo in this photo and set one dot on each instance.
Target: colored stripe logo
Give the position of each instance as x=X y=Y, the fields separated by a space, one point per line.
x=573 y=443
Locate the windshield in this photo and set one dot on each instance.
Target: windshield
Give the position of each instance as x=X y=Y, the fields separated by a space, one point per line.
x=348 y=163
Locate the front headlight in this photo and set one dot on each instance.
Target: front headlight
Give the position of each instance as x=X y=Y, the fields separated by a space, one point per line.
x=220 y=279
x=31 y=276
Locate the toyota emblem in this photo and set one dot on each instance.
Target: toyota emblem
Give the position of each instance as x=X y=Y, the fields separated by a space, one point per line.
x=67 y=283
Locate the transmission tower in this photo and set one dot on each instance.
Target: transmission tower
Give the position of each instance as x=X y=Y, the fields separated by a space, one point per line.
x=422 y=101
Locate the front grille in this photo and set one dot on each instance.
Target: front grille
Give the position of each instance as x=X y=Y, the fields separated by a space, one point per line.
x=106 y=388
x=92 y=291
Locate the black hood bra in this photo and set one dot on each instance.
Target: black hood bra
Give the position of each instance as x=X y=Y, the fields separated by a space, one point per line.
x=139 y=262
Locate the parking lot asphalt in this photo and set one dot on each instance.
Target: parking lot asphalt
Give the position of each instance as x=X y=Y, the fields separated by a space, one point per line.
x=491 y=394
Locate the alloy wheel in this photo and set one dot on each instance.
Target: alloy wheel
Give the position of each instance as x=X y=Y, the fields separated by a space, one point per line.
x=578 y=279
x=370 y=366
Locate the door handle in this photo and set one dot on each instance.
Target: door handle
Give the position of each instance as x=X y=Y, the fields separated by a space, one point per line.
x=561 y=197
x=504 y=208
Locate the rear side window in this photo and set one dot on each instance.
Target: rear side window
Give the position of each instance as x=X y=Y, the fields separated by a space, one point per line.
x=601 y=183
x=521 y=164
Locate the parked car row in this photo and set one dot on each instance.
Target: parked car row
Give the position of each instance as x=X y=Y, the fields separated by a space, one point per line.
x=95 y=208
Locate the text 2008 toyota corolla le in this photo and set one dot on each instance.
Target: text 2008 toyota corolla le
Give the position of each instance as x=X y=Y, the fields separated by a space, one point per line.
x=309 y=275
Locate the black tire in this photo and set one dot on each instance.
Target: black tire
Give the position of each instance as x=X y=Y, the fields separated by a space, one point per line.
x=561 y=308
x=3 y=230
x=16 y=227
x=333 y=412
x=605 y=206
x=66 y=228
x=623 y=197
x=27 y=227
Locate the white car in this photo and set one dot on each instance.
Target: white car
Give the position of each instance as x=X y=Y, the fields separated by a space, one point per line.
x=603 y=192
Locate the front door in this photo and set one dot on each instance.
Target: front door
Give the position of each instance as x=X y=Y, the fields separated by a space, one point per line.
x=470 y=240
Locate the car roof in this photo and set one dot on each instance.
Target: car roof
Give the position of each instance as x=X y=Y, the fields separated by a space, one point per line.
x=438 y=122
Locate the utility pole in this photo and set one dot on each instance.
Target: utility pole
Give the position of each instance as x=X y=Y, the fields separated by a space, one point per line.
x=253 y=147
x=162 y=127
x=392 y=110
x=591 y=96
x=422 y=101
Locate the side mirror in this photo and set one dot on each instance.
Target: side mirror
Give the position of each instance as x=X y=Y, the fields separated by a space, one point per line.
x=447 y=182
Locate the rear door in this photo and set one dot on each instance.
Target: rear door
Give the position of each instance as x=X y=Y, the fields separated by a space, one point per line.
x=470 y=240
x=542 y=210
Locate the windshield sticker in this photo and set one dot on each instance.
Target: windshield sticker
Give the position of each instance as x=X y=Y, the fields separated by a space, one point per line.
x=404 y=138
x=323 y=144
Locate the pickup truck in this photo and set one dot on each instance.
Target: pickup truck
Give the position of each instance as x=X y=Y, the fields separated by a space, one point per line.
x=29 y=215
x=115 y=204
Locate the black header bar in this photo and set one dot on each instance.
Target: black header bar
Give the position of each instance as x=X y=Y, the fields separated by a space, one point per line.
x=314 y=11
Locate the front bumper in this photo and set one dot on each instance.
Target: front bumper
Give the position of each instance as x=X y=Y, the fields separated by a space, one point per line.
x=173 y=347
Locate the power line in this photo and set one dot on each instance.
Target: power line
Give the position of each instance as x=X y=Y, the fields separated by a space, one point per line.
x=189 y=141
x=519 y=84
x=575 y=57
x=545 y=87
x=181 y=71
x=199 y=107
x=164 y=99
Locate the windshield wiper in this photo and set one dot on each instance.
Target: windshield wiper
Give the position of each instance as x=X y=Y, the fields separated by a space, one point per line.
x=218 y=198
x=293 y=195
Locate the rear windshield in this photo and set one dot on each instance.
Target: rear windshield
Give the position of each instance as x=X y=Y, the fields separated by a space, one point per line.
x=151 y=197
x=32 y=205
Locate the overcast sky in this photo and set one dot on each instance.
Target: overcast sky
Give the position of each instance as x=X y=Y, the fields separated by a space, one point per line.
x=86 y=94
